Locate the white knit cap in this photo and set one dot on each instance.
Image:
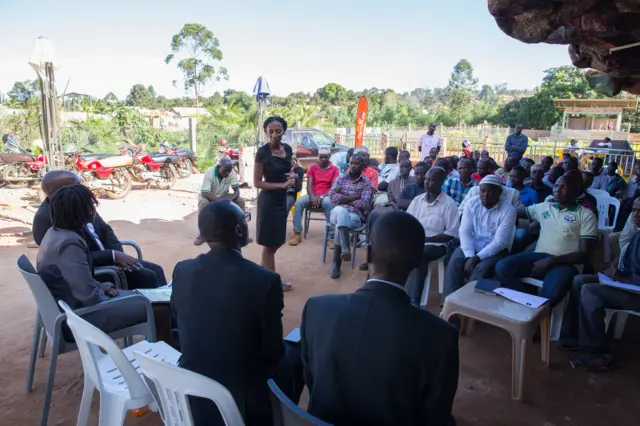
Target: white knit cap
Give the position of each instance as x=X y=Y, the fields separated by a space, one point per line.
x=491 y=180
x=324 y=150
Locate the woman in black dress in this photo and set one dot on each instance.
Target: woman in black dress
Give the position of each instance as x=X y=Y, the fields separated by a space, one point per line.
x=272 y=176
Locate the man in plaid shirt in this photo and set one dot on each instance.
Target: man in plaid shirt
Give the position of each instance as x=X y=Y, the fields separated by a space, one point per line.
x=458 y=188
x=351 y=195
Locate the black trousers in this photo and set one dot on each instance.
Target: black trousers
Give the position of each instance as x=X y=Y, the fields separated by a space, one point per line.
x=150 y=276
x=418 y=275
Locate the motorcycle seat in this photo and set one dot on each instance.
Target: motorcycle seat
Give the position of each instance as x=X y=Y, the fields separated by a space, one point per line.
x=165 y=158
x=16 y=158
x=93 y=156
x=117 y=161
x=185 y=153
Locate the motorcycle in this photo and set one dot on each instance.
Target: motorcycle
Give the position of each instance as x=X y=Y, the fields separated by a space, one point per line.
x=156 y=168
x=21 y=168
x=107 y=175
x=187 y=159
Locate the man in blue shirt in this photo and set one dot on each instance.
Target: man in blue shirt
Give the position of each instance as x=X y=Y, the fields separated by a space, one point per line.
x=528 y=196
x=517 y=144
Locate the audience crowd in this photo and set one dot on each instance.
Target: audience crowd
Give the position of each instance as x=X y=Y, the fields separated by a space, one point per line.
x=373 y=357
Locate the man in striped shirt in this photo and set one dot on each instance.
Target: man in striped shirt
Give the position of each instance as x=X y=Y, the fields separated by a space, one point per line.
x=458 y=187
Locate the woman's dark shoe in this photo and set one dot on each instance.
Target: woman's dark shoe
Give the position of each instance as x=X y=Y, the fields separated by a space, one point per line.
x=593 y=362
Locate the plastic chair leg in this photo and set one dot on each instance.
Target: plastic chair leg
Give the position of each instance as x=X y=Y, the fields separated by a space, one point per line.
x=50 y=379
x=556 y=319
x=34 y=350
x=441 y=276
x=43 y=342
x=519 y=367
x=545 y=340
x=621 y=320
x=85 y=403
x=112 y=410
x=354 y=246
x=326 y=241
x=425 y=291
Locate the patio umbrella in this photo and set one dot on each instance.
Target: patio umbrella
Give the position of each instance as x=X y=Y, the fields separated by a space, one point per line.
x=262 y=92
x=43 y=60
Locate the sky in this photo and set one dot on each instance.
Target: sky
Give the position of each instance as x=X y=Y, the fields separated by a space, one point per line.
x=298 y=45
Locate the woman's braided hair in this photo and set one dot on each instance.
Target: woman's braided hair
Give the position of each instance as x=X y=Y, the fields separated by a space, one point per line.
x=72 y=207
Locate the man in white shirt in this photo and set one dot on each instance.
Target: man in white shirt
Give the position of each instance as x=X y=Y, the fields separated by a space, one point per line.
x=438 y=214
x=508 y=194
x=390 y=171
x=486 y=232
x=429 y=141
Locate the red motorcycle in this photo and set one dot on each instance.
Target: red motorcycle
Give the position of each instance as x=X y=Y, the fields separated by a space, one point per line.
x=233 y=154
x=156 y=168
x=22 y=169
x=187 y=159
x=106 y=175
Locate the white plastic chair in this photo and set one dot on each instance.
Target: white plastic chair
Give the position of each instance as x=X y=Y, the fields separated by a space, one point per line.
x=114 y=374
x=557 y=313
x=621 y=320
x=174 y=384
x=598 y=192
x=603 y=219
x=439 y=263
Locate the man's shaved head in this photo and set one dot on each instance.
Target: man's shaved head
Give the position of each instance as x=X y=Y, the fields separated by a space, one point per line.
x=56 y=179
x=219 y=223
x=396 y=244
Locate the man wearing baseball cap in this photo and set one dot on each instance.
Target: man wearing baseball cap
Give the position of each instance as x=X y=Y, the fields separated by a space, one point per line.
x=320 y=177
x=486 y=234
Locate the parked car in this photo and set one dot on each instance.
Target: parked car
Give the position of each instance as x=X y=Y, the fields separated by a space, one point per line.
x=306 y=142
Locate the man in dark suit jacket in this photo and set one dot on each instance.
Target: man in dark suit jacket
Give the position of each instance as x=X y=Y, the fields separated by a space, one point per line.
x=371 y=358
x=229 y=315
x=105 y=247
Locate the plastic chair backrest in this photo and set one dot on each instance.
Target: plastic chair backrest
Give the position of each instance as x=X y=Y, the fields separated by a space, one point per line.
x=173 y=385
x=90 y=340
x=604 y=201
x=597 y=192
x=47 y=306
x=286 y=413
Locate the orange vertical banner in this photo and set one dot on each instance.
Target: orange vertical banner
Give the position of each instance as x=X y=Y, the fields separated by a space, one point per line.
x=361 y=120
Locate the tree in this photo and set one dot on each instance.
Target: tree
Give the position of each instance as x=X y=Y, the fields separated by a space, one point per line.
x=23 y=91
x=139 y=96
x=333 y=94
x=460 y=90
x=152 y=92
x=200 y=51
x=111 y=98
x=488 y=95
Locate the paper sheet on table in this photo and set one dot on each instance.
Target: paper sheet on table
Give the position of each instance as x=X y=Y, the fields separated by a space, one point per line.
x=156 y=295
x=294 y=336
x=522 y=298
x=605 y=280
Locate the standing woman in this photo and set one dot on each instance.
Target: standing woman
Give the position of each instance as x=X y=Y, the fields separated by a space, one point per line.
x=272 y=176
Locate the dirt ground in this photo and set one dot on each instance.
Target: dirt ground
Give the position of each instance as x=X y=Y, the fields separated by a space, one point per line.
x=164 y=224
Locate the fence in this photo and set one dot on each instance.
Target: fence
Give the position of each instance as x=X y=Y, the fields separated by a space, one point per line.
x=543 y=147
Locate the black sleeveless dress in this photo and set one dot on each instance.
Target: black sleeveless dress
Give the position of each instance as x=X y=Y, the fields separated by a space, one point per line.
x=271 y=227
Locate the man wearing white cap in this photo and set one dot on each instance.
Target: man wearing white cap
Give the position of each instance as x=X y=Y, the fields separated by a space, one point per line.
x=486 y=234
x=320 y=177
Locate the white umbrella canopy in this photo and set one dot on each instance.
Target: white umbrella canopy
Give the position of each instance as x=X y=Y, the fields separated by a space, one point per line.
x=42 y=53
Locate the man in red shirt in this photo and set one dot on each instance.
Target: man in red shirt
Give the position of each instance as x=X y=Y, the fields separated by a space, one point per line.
x=320 y=177
x=484 y=169
x=369 y=172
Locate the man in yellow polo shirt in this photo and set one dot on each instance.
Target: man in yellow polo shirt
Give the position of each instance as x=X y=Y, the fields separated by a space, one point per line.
x=568 y=233
x=218 y=180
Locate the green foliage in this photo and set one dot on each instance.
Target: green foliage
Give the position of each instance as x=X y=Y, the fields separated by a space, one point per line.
x=460 y=91
x=24 y=93
x=200 y=52
x=140 y=96
x=332 y=93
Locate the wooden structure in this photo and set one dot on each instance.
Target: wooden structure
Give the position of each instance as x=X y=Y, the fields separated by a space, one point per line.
x=594 y=107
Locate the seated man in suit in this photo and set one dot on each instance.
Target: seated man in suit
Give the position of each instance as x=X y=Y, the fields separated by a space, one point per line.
x=218 y=180
x=371 y=358
x=229 y=311
x=105 y=247
x=65 y=264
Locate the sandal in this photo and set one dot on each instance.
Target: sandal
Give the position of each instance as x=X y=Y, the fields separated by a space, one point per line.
x=286 y=286
x=593 y=362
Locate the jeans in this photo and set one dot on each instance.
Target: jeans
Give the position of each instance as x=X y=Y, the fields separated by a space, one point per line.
x=556 y=282
x=454 y=280
x=418 y=275
x=523 y=239
x=586 y=311
x=301 y=204
x=343 y=219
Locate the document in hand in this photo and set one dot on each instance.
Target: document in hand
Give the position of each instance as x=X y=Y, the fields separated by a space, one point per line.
x=605 y=280
x=522 y=298
x=156 y=295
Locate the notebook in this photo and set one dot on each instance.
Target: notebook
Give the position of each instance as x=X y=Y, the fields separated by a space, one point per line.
x=486 y=286
x=156 y=295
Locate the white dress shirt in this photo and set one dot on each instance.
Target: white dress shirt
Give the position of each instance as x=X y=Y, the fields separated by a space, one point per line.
x=427 y=142
x=389 y=173
x=508 y=194
x=439 y=217
x=486 y=232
